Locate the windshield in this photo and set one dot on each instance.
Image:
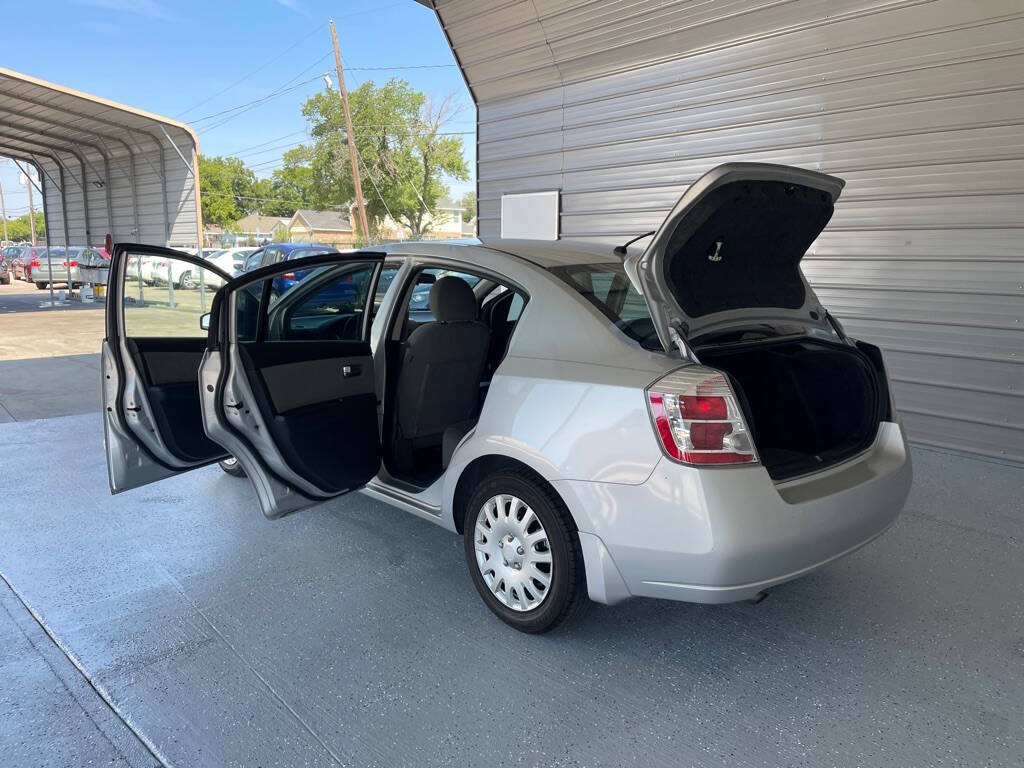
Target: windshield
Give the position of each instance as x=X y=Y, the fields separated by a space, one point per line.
x=607 y=287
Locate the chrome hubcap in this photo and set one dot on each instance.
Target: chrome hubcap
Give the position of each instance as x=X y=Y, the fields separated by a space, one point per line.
x=512 y=552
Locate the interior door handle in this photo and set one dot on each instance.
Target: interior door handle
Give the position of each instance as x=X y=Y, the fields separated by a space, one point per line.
x=348 y=371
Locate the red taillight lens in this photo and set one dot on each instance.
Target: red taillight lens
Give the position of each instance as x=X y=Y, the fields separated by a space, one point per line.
x=288 y=276
x=34 y=263
x=702 y=407
x=73 y=263
x=698 y=418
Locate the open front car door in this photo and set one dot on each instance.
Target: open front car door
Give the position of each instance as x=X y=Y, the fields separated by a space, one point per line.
x=155 y=340
x=287 y=381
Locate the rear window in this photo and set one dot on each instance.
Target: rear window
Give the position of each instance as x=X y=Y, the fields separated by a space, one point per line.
x=607 y=287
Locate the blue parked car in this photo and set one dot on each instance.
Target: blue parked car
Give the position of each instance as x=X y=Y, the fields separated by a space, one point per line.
x=275 y=253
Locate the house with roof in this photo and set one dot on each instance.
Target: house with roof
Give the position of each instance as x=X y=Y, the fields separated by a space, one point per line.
x=256 y=230
x=446 y=221
x=328 y=227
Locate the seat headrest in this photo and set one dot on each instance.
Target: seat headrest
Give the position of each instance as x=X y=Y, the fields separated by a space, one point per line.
x=452 y=301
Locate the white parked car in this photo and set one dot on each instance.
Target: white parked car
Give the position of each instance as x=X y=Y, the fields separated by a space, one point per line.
x=230 y=260
x=685 y=421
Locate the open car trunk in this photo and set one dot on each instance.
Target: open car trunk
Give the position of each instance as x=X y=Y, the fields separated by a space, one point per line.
x=808 y=403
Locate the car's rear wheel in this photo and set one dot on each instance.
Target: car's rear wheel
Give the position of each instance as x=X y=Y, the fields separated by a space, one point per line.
x=523 y=552
x=231 y=466
x=185 y=281
x=41 y=286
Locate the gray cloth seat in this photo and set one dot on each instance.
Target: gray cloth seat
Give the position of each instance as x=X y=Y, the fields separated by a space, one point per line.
x=442 y=365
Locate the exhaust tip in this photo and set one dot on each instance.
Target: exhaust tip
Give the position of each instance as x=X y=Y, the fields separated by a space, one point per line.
x=759 y=597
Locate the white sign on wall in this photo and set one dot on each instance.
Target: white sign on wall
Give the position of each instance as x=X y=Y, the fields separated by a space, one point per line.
x=530 y=215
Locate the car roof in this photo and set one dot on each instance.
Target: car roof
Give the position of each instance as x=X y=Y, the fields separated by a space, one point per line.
x=543 y=253
x=289 y=247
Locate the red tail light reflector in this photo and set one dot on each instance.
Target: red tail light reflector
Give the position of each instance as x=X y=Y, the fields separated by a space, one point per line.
x=34 y=263
x=698 y=418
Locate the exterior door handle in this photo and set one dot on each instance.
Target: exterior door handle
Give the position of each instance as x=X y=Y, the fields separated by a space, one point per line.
x=348 y=371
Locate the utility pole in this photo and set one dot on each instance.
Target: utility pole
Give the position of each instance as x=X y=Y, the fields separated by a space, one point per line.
x=350 y=138
x=31 y=212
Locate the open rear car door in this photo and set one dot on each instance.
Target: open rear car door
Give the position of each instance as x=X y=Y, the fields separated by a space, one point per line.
x=287 y=381
x=729 y=252
x=152 y=418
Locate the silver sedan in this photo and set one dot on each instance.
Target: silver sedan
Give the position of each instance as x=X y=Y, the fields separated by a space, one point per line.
x=683 y=421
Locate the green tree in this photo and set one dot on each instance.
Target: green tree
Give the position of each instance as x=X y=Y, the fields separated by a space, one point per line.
x=404 y=155
x=468 y=203
x=228 y=190
x=19 y=229
x=291 y=185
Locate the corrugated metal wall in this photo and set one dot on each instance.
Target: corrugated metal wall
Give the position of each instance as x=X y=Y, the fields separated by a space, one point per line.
x=104 y=167
x=919 y=105
x=160 y=210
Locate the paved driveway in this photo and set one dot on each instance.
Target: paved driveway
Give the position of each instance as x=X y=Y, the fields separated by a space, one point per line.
x=49 y=357
x=351 y=634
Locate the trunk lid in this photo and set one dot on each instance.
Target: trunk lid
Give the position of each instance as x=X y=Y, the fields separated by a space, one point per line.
x=728 y=254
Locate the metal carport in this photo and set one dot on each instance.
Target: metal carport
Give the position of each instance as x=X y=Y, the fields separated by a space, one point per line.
x=619 y=106
x=103 y=167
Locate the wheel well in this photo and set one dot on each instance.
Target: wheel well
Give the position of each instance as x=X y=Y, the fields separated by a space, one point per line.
x=480 y=468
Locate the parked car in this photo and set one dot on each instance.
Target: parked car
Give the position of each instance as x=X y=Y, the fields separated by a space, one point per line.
x=684 y=422
x=276 y=253
x=58 y=269
x=19 y=259
x=230 y=260
x=182 y=275
x=252 y=261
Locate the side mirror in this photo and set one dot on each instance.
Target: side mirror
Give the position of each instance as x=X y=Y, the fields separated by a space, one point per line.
x=204 y=322
x=425 y=278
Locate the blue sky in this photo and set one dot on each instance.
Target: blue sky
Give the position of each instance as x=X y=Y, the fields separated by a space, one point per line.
x=189 y=59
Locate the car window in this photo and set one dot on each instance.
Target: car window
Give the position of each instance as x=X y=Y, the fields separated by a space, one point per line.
x=607 y=287
x=323 y=303
x=270 y=256
x=384 y=283
x=167 y=310
x=253 y=261
x=305 y=253
x=419 y=306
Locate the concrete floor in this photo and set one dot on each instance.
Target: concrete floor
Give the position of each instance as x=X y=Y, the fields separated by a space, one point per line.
x=351 y=634
x=174 y=625
x=30 y=330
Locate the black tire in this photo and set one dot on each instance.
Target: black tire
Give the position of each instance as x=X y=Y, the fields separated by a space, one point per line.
x=232 y=467
x=41 y=286
x=567 y=594
x=185 y=281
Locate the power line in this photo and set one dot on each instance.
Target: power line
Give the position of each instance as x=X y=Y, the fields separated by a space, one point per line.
x=294 y=45
x=399 y=66
x=242 y=79
x=239 y=108
x=268 y=141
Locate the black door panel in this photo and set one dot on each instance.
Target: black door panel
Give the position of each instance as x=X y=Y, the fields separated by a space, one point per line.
x=170 y=369
x=322 y=421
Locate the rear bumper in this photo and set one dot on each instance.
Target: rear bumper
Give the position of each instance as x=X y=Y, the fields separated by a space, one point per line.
x=725 y=534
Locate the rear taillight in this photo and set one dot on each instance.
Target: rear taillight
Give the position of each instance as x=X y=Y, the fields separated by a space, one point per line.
x=73 y=263
x=34 y=263
x=698 y=418
x=288 y=276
